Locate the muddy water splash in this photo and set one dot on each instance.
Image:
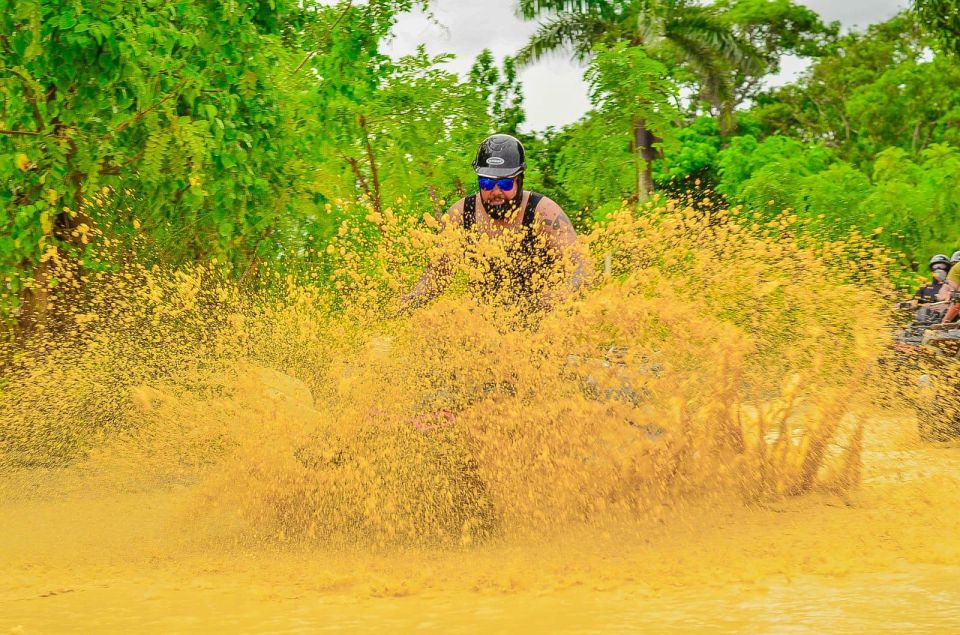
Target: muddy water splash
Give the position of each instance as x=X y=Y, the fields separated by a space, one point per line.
x=714 y=370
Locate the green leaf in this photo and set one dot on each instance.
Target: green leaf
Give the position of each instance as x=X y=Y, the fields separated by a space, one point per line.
x=67 y=19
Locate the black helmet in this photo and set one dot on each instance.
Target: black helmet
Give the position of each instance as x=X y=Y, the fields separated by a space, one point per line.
x=500 y=157
x=940 y=259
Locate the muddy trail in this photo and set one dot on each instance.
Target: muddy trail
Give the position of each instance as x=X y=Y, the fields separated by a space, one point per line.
x=883 y=558
x=692 y=443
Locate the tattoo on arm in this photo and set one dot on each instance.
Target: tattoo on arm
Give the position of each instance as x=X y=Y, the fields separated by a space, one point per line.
x=579 y=275
x=561 y=220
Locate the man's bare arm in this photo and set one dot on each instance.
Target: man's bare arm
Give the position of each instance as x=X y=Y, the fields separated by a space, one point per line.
x=561 y=235
x=436 y=276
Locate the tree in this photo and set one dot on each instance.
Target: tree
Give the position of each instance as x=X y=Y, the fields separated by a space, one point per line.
x=904 y=203
x=500 y=90
x=692 y=156
x=594 y=163
x=408 y=136
x=677 y=32
x=132 y=98
x=189 y=123
x=722 y=50
x=632 y=92
x=872 y=90
x=773 y=29
x=942 y=18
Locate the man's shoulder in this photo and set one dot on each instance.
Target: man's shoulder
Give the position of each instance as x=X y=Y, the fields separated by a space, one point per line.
x=551 y=218
x=549 y=211
x=455 y=211
x=545 y=205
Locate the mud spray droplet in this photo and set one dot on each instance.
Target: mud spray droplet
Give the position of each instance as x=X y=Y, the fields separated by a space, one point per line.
x=677 y=433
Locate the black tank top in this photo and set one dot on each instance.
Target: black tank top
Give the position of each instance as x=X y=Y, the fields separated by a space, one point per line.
x=529 y=212
x=520 y=274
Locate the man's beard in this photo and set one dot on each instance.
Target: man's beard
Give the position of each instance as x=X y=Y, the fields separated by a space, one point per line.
x=510 y=206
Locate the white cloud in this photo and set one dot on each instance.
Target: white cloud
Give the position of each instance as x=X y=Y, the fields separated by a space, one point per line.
x=554 y=89
x=856 y=13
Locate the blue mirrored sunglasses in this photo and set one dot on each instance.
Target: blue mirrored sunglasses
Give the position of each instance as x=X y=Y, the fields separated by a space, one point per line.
x=487 y=184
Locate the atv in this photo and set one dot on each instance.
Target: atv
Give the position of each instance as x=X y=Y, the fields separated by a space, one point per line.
x=906 y=358
x=938 y=398
x=908 y=340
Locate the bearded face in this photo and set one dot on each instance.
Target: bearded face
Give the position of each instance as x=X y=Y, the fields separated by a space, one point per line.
x=499 y=203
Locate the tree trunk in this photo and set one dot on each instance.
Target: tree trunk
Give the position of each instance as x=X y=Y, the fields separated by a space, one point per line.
x=371 y=160
x=726 y=121
x=646 y=153
x=644 y=181
x=34 y=303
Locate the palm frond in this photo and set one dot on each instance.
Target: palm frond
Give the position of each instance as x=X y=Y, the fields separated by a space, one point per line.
x=706 y=65
x=530 y=9
x=700 y=24
x=575 y=31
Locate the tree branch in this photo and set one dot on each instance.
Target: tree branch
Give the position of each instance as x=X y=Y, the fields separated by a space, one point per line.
x=310 y=55
x=373 y=165
x=31 y=95
x=256 y=258
x=21 y=133
x=358 y=175
x=140 y=115
x=115 y=169
x=136 y=157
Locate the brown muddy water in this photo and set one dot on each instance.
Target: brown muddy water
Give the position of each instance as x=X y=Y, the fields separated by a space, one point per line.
x=883 y=558
x=692 y=445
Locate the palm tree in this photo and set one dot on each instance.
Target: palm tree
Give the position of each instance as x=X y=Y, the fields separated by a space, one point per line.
x=681 y=33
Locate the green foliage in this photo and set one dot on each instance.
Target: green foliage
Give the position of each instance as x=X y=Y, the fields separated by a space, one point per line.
x=405 y=137
x=874 y=90
x=542 y=151
x=248 y=133
x=596 y=164
x=778 y=27
x=627 y=85
x=501 y=90
x=746 y=156
x=913 y=203
x=633 y=93
x=215 y=131
x=692 y=154
x=721 y=51
x=184 y=110
x=769 y=30
x=918 y=200
x=942 y=18
x=910 y=106
x=719 y=54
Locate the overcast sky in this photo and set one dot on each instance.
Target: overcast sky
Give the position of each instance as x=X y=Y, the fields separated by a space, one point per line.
x=554 y=90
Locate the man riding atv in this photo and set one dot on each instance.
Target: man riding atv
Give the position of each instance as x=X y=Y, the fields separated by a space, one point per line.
x=932 y=344
x=927 y=297
x=939 y=268
x=949 y=290
x=519 y=248
x=535 y=237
